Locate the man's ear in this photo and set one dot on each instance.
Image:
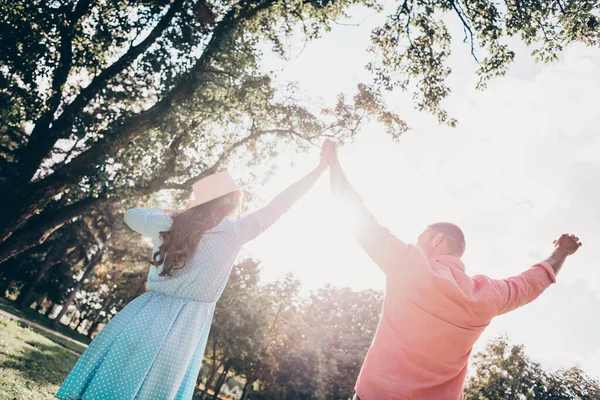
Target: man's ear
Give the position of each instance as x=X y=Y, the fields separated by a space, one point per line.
x=438 y=239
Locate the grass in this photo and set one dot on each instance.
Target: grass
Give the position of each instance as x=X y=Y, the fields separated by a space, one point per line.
x=58 y=340
x=34 y=316
x=32 y=366
x=33 y=363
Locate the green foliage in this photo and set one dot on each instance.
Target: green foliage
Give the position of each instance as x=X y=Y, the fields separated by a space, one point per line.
x=504 y=371
x=413 y=47
x=294 y=348
x=102 y=102
x=286 y=346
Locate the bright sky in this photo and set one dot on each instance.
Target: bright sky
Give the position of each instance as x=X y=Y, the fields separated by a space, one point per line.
x=521 y=169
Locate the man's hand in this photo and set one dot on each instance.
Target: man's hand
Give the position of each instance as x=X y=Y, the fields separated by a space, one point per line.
x=564 y=246
x=567 y=243
x=330 y=152
x=325 y=156
x=340 y=186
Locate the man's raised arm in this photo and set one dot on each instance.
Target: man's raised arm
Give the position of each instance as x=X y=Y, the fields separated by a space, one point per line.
x=385 y=249
x=522 y=289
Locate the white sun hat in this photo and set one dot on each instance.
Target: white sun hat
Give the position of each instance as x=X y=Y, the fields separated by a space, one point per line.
x=212 y=187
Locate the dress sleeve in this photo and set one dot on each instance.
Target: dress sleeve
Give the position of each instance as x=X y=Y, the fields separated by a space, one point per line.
x=147 y=221
x=252 y=225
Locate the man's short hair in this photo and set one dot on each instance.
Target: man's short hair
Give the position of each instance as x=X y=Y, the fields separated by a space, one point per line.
x=454 y=236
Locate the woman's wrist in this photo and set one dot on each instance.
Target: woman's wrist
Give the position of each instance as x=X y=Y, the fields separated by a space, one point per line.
x=321 y=168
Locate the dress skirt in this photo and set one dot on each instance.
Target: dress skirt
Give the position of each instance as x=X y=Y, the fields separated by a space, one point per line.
x=152 y=349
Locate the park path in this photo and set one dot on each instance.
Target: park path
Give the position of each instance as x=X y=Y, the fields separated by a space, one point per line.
x=43 y=328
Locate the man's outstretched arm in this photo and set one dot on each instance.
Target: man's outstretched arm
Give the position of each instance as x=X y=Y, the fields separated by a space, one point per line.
x=385 y=249
x=522 y=289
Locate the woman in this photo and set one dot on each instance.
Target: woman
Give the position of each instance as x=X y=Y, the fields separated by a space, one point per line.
x=153 y=348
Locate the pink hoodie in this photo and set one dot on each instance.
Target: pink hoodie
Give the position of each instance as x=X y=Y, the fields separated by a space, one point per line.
x=433 y=314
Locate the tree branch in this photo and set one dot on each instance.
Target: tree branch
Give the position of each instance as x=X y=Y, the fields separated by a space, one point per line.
x=405 y=9
x=34 y=150
x=227 y=153
x=39 y=228
x=466 y=26
x=562 y=9
x=29 y=198
x=43 y=138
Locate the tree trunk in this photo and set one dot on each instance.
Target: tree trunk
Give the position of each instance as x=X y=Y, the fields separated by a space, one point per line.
x=81 y=319
x=10 y=278
x=39 y=303
x=247 y=390
x=213 y=371
x=52 y=258
x=47 y=129
x=71 y=318
x=89 y=268
x=27 y=199
x=221 y=381
x=50 y=309
x=107 y=303
x=209 y=382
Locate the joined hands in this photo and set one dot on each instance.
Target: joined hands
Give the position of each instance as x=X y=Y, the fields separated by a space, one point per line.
x=329 y=154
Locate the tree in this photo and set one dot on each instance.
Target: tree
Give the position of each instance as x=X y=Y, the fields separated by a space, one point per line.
x=344 y=323
x=323 y=347
x=504 y=371
x=236 y=323
x=99 y=100
x=113 y=272
x=11 y=269
x=90 y=264
x=574 y=383
x=276 y=309
x=61 y=248
x=92 y=93
x=414 y=45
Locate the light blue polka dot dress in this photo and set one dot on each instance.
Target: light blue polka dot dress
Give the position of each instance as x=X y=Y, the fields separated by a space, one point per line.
x=153 y=348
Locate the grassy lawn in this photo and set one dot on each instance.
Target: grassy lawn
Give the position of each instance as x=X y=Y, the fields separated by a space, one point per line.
x=42 y=320
x=31 y=365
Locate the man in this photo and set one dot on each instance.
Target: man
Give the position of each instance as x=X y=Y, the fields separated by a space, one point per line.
x=433 y=312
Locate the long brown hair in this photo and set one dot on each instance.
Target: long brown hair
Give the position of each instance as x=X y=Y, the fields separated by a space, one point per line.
x=188 y=228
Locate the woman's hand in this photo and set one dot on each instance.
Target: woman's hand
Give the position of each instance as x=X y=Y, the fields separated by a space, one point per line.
x=324 y=161
x=332 y=151
x=328 y=153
